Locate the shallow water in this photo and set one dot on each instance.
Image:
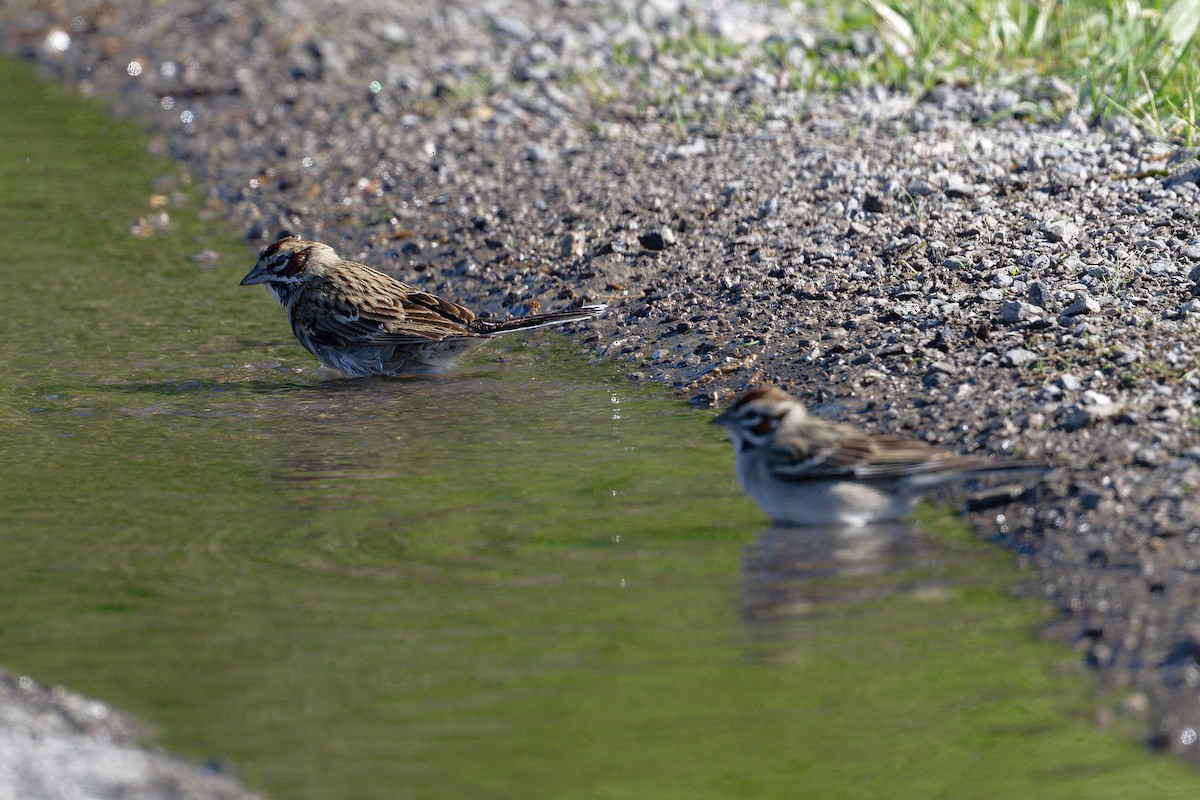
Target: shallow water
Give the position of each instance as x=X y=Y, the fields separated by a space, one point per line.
x=532 y=578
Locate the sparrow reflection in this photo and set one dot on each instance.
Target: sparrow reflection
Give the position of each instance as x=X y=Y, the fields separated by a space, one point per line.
x=789 y=572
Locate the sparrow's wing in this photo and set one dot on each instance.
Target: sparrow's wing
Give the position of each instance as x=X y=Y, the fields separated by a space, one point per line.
x=830 y=451
x=375 y=309
x=820 y=453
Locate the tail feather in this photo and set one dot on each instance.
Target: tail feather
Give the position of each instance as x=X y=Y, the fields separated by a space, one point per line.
x=959 y=471
x=537 y=320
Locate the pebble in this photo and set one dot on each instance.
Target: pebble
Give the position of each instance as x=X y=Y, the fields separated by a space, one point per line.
x=1060 y=230
x=1068 y=382
x=1082 y=304
x=658 y=239
x=1012 y=311
x=1038 y=294
x=921 y=188
x=1018 y=357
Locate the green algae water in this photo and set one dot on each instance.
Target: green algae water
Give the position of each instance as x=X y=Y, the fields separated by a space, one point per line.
x=530 y=579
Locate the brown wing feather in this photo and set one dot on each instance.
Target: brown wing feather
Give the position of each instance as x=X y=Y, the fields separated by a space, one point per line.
x=839 y=451
x=366 y=307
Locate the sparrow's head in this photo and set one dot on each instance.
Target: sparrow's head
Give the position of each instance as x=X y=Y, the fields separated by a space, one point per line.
x=285 y=262
x=755 y=417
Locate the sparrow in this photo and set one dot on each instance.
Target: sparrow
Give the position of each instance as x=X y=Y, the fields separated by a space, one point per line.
x=361 y=322
x=805 y=470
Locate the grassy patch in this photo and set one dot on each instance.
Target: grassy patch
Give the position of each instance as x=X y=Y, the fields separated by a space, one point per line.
x=1121 y=58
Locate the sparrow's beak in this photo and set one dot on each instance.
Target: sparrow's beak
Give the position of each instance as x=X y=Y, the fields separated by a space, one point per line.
x=721 y=419
x=256 y=275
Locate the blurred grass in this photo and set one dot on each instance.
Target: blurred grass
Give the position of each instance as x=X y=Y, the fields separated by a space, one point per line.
x=1106 y=59
x=1121 y=57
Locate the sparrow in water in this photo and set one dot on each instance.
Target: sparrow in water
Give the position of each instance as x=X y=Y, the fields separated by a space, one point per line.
x=804 y=470
x=361 y=322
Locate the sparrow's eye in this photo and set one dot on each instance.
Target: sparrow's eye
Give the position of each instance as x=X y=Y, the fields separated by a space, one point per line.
x=758 y=422
x=750 y=417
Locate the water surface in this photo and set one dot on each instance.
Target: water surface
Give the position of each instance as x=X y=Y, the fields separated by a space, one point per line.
x=531 y=578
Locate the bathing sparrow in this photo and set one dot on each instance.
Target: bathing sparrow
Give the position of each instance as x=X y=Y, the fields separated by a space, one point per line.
x=361 y=322
x=804 y=470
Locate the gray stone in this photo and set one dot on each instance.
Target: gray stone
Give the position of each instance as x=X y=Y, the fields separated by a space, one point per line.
x=1018 y=357
x=1060 y=230
x=1068 y=382
x=1038 y=294
x=1013 y=311
x=920 y=188
x=1082 y=304
x=1123 y=355
x=658 y=239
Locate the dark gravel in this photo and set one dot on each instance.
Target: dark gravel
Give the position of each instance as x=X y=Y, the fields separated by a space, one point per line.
x=980 y=267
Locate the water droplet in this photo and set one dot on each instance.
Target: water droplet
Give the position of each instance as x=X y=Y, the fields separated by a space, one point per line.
x=134 y=69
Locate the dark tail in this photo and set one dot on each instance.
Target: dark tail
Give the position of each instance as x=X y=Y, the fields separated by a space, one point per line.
x=537 y=320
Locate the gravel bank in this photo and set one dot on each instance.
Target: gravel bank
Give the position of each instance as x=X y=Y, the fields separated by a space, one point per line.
x=952 y=268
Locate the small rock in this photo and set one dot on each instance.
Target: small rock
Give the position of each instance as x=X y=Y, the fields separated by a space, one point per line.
x=1068 y=382
x=960 y=189
x=920 y=188
x=1018 y=357
x=1082 y=304
x=571 y=246
x=538 y=152
x=1060 y=230
x=1012 y=311
x=1038 y=293
x=1162 y=268
x=394 y=33
x=1183 y=176
x=658 y=239
x=655 y=13
x=1123 y=355
x=695 y=147
x=1092 y=408
x=873 y=204
x=1150 y=457
x=512 y=28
